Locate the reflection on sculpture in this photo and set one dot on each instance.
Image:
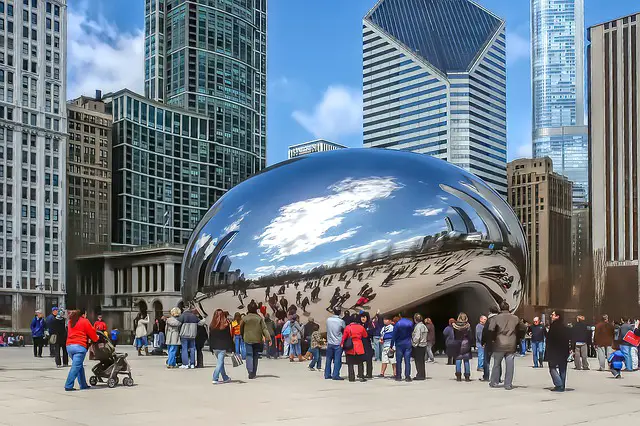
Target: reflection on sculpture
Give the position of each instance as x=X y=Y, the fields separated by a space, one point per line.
x=356 y=229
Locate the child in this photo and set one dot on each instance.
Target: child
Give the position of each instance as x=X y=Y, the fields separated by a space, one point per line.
x=385 y=337
x=616 y=361
x=317 y=342
x=114 y=336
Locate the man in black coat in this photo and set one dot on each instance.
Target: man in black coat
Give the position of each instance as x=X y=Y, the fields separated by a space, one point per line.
x=557 y=351
x=487 y=342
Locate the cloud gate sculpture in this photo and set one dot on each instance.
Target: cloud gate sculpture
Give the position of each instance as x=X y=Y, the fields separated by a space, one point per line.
x=358 y=229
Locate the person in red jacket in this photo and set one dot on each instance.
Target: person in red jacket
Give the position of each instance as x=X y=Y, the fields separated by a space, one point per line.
x=354 y=348
x=79 y=332
x=100 y=325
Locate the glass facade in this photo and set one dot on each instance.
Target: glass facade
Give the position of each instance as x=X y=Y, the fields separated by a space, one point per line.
x=557 y=28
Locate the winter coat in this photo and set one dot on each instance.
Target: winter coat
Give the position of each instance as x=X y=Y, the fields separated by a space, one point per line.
x=581 y=333
x=172 y=336
x=356 y=332
x=431 y=334
x=604 y=334
x=201 y=336
x=463 y=340
x=558 y=344
x=506 y=329
x=221 y=340
x=419 y=335
x=59 y=329
x=448 y=335
x=189 y=327
x=37 y=327
x=141 y=328
x=253 y=329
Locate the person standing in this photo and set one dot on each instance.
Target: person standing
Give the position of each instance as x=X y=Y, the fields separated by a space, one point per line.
x=254 y=333
x=237 y=336
x=49 y=324
x=507 y=330
x=314 y=347
x=374 y=332
x=100 y=325
x=140 y=324
x=385 y=338
x=538 y=334
x=625 y=347
x=220 y=342
x=478 y=339
x=401 y=341
x=419 y=346
x=188 y=332
x=365 y=321
x=557 y=351
x=79 y=333
x=173 y=337
x=448 y=340
x=487 y=343
x=37 y=334
x=431 y=339
x=603 y=339
x=352 y=344
x=335 y=330
x=59 y=336
x=202 y=336
x=581 y=340
x=272 y=350
x=463 y=339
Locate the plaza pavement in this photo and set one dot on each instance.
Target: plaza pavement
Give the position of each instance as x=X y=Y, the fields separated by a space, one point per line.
x=31 y=393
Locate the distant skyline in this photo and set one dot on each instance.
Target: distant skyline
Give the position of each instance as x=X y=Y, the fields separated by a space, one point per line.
x=314 y=69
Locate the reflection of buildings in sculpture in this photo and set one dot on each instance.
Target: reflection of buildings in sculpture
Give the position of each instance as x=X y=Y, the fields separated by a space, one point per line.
x=614 y=182
x=317 y=145
x=542 y=201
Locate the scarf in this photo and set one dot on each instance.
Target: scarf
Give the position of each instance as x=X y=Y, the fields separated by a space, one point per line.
x=460 y=326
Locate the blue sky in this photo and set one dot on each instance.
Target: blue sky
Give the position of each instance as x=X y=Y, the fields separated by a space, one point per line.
x=314 y=62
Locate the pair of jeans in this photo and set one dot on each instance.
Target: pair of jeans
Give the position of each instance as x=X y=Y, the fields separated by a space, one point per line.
x=467 y=366
x=429 y=355
x=418 y=358
x=171 y=359
x=628 y=361
x=334 y=353
x=603 y=353
x=77 y=354
x=480 y=358
x=141 y=342
x=487 y=365
x=240 y=346
x=295 y=349
x=188 y=352
x=523 y=347
x=253 y=352
x=316 y=361
x=580 y=358
x=56 y=352
x=403 y=353
x=377 y=348
x=559 y=375
x=38 y=343
x=219 y=354
x=537 y=349
x=496 y=371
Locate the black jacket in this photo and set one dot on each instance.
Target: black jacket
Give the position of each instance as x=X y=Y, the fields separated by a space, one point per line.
x=581 y=333
x=221 y=340
x=201 y=337
x=58 y=328
x=487 y=336
x=538 y=333
x=558 y=344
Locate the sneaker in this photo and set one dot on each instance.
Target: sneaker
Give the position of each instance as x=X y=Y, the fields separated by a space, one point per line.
x=338 y=378
x=192 y=366
x=408 y=379
x=216 y=382
x=312 y=369
x=184 y=367
x=227 y=380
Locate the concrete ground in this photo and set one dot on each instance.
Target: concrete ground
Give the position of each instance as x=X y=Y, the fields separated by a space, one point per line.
x=31 y=393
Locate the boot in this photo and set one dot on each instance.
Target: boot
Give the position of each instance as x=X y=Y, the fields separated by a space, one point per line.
x=458 y=377
x=146 y=351
x=301 y=358
x=290 y=358
x=467 y=377
x=139 y=352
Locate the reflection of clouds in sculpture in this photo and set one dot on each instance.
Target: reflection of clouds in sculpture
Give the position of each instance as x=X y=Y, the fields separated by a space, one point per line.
x=243 y=254
x=235 y=225
x=393 y=233
x=427 y=212
x=205 y=240
x=271 y=269
x=304 y=225
x=354 y=250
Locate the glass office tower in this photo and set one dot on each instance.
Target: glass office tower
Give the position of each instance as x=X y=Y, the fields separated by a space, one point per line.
x=559 y=131
x=434 y=82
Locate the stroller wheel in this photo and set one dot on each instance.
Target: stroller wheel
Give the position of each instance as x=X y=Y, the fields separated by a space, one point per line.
x=112 y=383
x=93 y=380
x=127 y=381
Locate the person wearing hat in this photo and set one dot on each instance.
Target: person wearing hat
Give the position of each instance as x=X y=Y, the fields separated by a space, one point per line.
x=37 y=333
x=49 y=324
x=58 y=338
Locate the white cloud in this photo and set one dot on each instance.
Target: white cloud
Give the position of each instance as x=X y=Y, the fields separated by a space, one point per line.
x=523 y=151
x=518 y=47
x=243 y=254
x=304 y=225
x=101 y=56
x=364 y=248
x=272 y=269
x=427 y=212
x=338 y=113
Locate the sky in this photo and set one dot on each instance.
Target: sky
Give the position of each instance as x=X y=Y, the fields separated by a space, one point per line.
x=314 y=63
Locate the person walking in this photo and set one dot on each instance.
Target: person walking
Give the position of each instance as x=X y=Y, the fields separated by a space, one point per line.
x=49 y=332
x=538 y=335
x=188 y=332
x=478 y=339
x=272 y=350
x=314 y=347
x=401 y=341
x=296 y=333
x=335 y=330
x=581 y=341
x=220 y=342
x=37 y=334
x=557 y=351
x=173 y=337
x=507 y=330
x=487 y=343
x=448 y=340
x=431 y=340
x=59 y=338
x=603 y=340
x=140 y=323
x=237 y=336
x=80 y=331
x=254 y=333
x=463 y=340
x=352 y=344
x=419 y=346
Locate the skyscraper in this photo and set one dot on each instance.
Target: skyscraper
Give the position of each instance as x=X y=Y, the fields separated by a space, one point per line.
x=614 y=87
x=317 y=145
x=434 y=82
x=210 y=57
x=33 y=128
x=557 y=70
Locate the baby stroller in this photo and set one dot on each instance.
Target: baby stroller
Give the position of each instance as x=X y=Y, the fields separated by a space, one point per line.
x=110 y=365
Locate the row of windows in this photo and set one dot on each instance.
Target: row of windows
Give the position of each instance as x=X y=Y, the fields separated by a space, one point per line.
x=411 y=139
x=406 y=106
x=406 y=123
x=402 y=89
x=406 y=97
x=414 y=130
x=390 y=76
x=394 y=83
x=426 y=145
x=384 y=69
x=406 y=114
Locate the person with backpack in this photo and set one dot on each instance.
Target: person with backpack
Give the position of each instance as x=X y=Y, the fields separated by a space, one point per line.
x=352 y=344
x=295 y=333
x=463 y=339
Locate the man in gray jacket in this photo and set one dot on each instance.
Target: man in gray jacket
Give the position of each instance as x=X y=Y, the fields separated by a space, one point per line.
x=188 y=331
x=419 y=343
x=506 y=329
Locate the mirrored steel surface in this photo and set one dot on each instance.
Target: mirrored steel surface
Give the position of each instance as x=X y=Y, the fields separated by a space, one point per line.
x=358 y=229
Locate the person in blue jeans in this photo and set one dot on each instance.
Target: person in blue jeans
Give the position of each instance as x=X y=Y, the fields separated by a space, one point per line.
x=538 y=334
x=625 y=347
x=219 y=342
x=188 y=332
x=79 y=332
x=478 y=339
x=314 y=348
x=335 y=329
x=401 y=340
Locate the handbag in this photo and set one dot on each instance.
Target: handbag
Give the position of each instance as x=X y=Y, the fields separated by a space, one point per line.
x=631 y=338
x=53 y=339
x=391 y=353
x=348 y=344
x=236 y=360
x=294 y=339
